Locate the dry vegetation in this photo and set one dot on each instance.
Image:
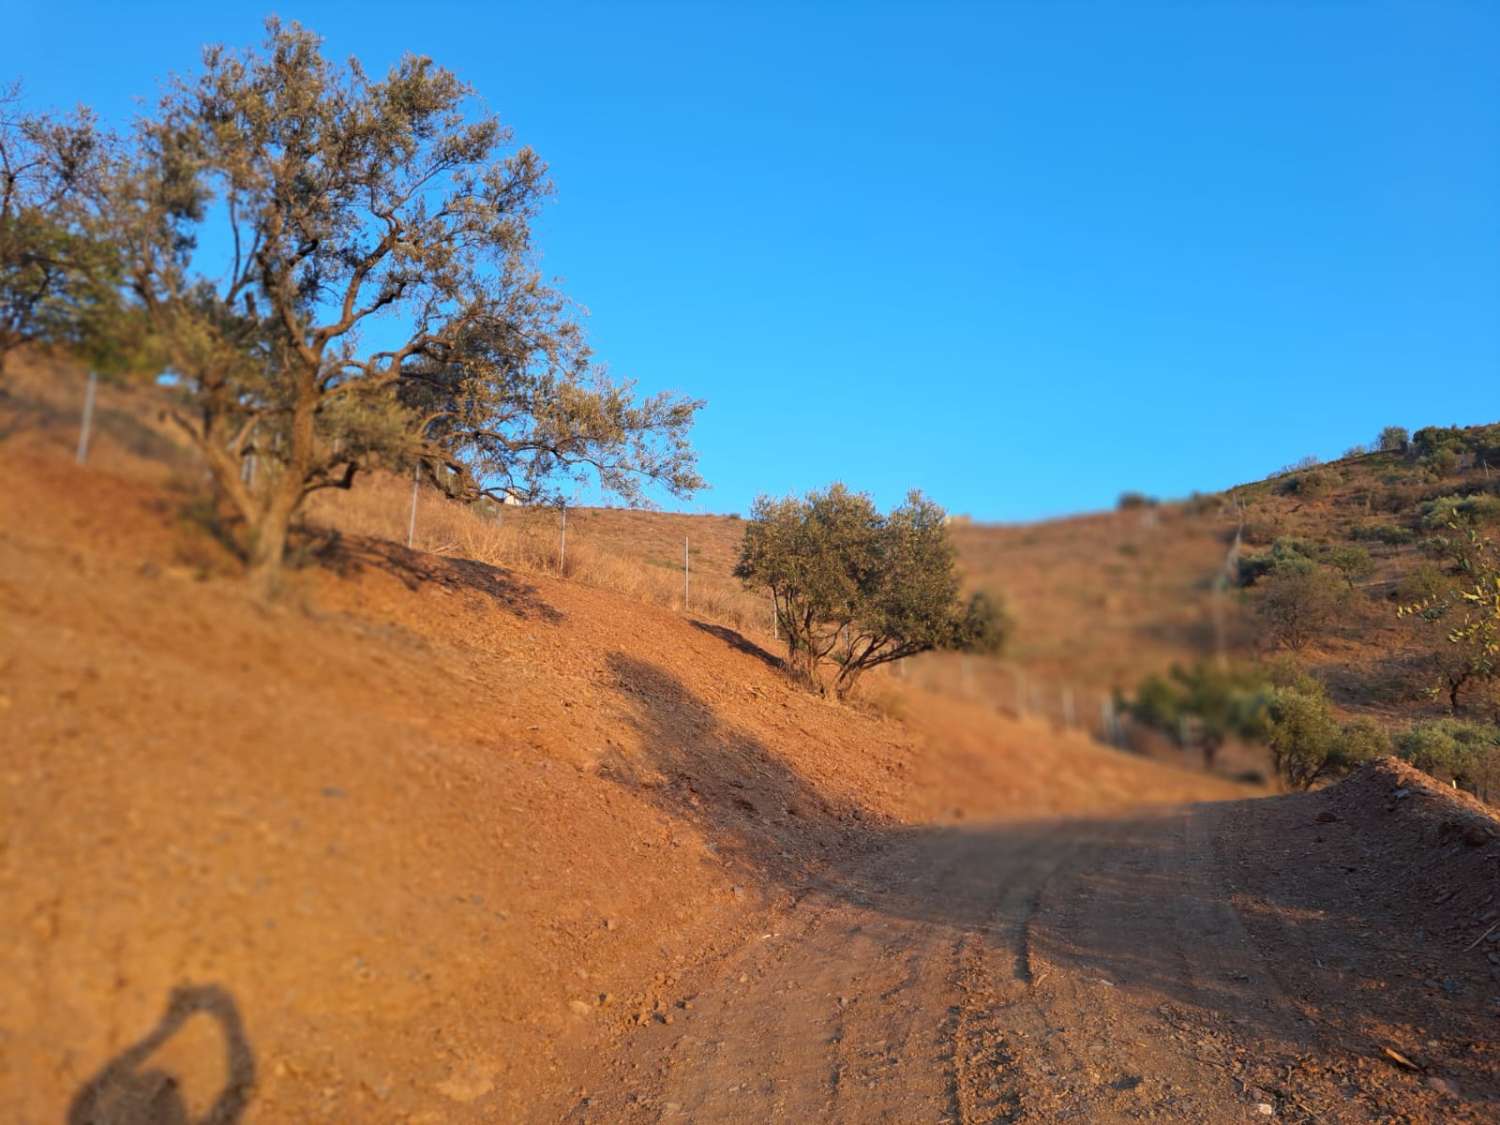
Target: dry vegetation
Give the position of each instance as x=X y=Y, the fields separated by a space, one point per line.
x=636 y=553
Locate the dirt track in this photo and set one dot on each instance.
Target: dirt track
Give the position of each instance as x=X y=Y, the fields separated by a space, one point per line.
x=1088 y=970
x=440 y=842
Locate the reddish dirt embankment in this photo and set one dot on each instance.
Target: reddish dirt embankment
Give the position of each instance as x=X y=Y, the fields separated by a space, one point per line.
x=428 y=827
x=434 y=841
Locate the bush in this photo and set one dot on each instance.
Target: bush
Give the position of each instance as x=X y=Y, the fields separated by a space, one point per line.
x=1129 y=500
x=1299 y=603
x=1393 y=439
x=1286 y=554
x=1453 y=750
x=1391 y=534
x=858 y=588
x=985 y=626
x=1308 y=744
x=1425 y=584
x=1441 y=462
x=1310 y=485
x=1447 y=511
x=1351 y=561
x=1365 y=739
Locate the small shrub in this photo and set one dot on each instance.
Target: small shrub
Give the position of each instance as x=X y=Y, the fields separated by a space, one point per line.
x=1129 y=500
x=1286 y=554
x=1310 y=485
x=1299 y=603
x=1452 y=750
x=1393 y=535
x=1353 y=562
x=1393 y=439
x=1308 y=744
x=1427 y=583
x=1441 y=463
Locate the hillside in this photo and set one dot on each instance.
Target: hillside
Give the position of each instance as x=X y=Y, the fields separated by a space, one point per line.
x=433 y=824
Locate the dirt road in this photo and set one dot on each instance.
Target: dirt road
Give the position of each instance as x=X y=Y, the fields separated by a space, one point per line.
x=1088 y=970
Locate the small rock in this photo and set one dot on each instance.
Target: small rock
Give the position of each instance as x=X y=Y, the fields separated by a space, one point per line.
x=579 y=1007
x=333 y=791
x=1265 y=1109
x=1326 y=817
x=1401 y=794
x=1442 y=1086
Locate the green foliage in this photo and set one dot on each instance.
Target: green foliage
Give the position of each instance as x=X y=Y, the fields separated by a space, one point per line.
x=1393 y=535
x=1130 y=500
x=1307 y=742
x=1352 y=561
x=1287 y=554
x=1426 y=585
x=984 y=627
x=858 y=588
x=1365 y=739
x=380 y=304
x=1480 y=508
x=1467 y=614
x=1277 y=704
x=1298 y=603
x=1393 y=439
x=58 y=277
x=1310 y=484
x=1451 y=749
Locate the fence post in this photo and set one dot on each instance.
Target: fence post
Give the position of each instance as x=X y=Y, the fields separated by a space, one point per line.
x=684 y=573
x=88 y=419
x=562 y=545
x=411 y=524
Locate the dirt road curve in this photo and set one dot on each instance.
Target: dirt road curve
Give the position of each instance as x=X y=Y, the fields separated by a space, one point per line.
x=1088 y=970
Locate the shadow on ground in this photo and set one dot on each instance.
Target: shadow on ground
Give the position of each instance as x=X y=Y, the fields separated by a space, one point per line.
x=129 y=1091
x=1142 y=900
x=350 y=554
x=740 y=643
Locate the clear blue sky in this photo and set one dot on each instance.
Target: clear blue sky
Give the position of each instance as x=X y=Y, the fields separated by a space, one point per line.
x=1020 y=256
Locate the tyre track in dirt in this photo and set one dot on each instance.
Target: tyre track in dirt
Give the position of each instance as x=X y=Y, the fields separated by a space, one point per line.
x=1084 y=970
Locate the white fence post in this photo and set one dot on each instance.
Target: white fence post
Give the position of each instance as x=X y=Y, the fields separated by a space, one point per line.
x=411 y=524
x=88 y=419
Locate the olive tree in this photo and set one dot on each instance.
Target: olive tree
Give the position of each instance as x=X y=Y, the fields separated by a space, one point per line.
x=859 y=589
x=1466 y=614
x=56 y=277
x=378 y=304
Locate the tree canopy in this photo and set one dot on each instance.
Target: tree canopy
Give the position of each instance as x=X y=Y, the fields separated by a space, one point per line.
x=861 y=589
x=379 y=303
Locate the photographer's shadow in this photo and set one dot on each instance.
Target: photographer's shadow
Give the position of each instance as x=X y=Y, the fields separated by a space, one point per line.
x=126 y=1092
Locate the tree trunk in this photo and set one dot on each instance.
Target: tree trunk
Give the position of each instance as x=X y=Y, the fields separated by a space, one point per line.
x=268 y=536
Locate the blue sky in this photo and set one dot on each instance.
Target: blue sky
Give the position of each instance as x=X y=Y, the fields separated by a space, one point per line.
x=1023 y=256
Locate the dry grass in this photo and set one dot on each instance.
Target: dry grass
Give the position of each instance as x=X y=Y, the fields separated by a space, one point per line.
x=624 y=551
